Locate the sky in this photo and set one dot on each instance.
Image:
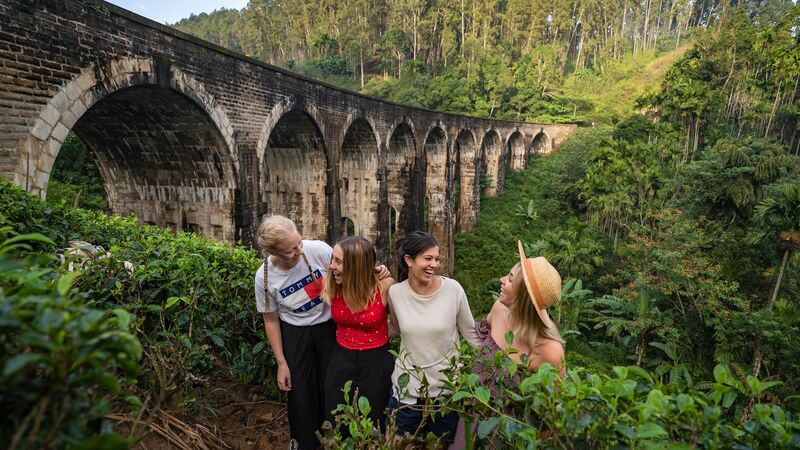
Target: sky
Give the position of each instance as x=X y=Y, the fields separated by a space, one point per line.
x=171 y=11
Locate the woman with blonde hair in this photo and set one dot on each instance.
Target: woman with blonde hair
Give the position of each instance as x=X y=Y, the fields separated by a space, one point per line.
x=298 y=324
x=357 y=297
x=529 y=288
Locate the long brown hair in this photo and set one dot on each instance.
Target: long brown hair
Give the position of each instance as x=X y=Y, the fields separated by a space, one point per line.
x=525 y=322
x=359 y=280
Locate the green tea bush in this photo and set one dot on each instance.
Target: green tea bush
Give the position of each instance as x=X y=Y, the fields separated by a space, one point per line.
x=61 y=358
x=626 y=408
x=190 y=298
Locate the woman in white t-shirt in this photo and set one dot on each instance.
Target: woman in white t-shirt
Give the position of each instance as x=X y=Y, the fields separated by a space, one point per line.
x=431 y=311
x=297 y=322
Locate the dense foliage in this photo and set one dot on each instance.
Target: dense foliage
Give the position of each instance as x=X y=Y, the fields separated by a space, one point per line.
x=187 y=304
x=684 y=229
x=75 y=179
x=59 y=356
x=519 y=59
x=626 y=408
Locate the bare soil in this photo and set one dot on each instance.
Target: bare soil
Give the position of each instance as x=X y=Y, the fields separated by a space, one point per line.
x=226 y=416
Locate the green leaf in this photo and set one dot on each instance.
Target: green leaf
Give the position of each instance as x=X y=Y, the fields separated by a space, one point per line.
x=217 y=340
x=258 y=347
x=363 y=405
x=650 y=431
x=18 y=362
x=483 y=394
x=172 y=301
x=123 y=318
x=65 y=282
x=153 y=308
x=460 y=395
x=486 y=426
x=402 y=380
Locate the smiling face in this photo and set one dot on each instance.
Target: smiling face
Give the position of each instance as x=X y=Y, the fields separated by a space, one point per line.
x=337 y=264
x=507 y=294
x=423 y=267
x=289 y=251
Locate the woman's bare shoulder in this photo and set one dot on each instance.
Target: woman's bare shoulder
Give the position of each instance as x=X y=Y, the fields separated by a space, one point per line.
x=550 y=351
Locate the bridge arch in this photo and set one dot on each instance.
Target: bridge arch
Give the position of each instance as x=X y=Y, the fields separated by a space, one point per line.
x=294 y=168
x=359 y=168
x=540 y=144
x=491 y=161
x=400 y=164
x=435 y=159
x=516 y=150
x=466 y=194
x=165 y=148
x=513 y=157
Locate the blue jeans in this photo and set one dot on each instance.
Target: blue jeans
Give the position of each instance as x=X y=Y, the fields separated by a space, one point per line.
x=409 y=417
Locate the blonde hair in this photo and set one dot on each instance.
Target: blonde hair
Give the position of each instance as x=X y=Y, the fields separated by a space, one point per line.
x=272 y=231
x=525 y=321
x=359 y=280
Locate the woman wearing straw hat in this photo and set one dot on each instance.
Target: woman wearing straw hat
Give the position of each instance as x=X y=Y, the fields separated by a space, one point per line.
x=529 y=288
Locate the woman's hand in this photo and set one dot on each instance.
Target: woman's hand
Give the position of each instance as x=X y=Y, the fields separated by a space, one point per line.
x=284 y=377
x=382 y=271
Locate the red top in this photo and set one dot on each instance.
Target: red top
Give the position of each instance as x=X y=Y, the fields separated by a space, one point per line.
x=363 y=330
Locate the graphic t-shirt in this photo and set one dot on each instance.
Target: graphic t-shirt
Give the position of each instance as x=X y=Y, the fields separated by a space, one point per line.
x=293 y=293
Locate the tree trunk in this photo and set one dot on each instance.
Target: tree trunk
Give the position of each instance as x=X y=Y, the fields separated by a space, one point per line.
x=780 y=278
x=772 y=113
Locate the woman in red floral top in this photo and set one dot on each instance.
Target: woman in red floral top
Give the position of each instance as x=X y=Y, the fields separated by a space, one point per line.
x=358 y=306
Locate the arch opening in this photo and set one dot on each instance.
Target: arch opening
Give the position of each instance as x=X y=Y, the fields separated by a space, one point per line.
x=358 y=178
x=491 y=155
x=295 y=174
x=540 y=145
x=399 y=173
x=348 y=227
x=513 y=159
x=75 y=180
x=467 y=196
x=162 y=157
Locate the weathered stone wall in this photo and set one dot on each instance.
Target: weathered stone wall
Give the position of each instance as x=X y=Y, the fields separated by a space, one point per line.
x=195 y=137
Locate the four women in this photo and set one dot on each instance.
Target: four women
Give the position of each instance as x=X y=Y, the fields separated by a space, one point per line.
x=316 y=357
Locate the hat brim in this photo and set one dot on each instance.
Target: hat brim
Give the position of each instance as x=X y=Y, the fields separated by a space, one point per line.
x=532 y=285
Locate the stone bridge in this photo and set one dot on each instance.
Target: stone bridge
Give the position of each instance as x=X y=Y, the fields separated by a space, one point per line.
x=191 y=136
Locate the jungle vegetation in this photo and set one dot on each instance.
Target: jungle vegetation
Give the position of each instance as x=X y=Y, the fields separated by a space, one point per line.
x=673 y=215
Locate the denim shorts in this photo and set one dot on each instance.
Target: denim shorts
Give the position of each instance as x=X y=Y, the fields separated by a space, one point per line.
x=408 y=420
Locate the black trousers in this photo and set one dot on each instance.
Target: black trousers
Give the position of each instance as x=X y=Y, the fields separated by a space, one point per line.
x=370 y=372
x=307 y=350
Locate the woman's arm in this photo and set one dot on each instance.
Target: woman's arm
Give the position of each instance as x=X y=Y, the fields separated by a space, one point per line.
x=394 y=325
x=464 y=320
x=273 y=329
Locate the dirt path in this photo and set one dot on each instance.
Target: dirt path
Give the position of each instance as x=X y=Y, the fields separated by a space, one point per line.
x=229 y=416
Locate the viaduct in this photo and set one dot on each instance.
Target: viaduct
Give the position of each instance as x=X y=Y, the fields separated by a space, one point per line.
x=192 y=136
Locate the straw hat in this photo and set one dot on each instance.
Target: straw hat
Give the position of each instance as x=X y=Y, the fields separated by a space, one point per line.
x=543 y=283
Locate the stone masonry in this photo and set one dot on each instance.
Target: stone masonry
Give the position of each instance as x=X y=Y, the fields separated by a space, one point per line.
x=194 y=137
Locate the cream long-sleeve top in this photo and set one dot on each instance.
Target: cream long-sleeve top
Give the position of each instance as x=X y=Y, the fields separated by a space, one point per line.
x=429 y=335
